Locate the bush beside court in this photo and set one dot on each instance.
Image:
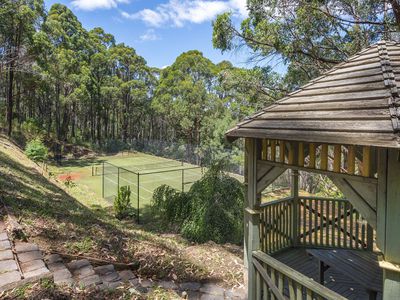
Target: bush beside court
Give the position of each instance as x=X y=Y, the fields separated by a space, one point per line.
x=211 y=210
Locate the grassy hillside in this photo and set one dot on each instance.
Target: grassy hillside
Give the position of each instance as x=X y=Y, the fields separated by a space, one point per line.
x=55 y=217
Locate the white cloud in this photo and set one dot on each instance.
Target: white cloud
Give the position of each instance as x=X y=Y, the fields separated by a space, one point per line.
x=178 y=13
x=149 y=35
x=96 y=4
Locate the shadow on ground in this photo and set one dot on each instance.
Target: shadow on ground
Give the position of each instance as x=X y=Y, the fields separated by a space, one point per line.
x=57 y=221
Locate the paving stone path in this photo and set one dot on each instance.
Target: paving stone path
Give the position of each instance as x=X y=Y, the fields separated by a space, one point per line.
x=81 y=274
x=20 y=263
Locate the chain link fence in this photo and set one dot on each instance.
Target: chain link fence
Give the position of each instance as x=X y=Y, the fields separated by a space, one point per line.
x=144 y=179
x=196 y=155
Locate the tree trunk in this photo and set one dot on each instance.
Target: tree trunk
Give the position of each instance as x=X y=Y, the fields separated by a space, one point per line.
x=10 y=103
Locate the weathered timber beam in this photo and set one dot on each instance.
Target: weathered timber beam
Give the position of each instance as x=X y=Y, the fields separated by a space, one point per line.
x=267 y=176
x=367 y=190
x=356 y=199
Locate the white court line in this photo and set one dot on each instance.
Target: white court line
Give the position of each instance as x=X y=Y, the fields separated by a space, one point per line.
x=135 y=185
x=176 y=181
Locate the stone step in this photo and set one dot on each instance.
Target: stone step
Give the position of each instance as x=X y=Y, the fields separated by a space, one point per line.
x=126 y=275
x=105 y=269
x=30 y=260
x=53 y=258
x=77 y=264
x=6 y=254
x=82 y=274
x=5 y=245
x=9 y=277
x=9 y=272
x=3 y=236
x=24 y=267
x=32 y=265
x=8 y=266
x=63 y=276
x=90 y=281
x=25 y=247
x=24 y=257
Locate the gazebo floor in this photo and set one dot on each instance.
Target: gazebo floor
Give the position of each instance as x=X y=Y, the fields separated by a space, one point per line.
x=299 y=260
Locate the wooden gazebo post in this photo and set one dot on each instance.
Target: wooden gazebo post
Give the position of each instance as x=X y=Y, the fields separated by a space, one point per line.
x=388 y=220
x=252 y=215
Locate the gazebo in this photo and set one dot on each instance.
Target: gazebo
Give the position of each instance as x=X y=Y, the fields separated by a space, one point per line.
x=346 y=126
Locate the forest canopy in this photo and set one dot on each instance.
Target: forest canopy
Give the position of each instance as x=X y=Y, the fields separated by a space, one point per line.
x=309 y=36
x=68 y=84
x=71 y=85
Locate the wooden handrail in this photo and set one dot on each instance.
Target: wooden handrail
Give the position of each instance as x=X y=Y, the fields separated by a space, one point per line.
x=297 y=277
x=268 y=280
x=264 y=204
x=323 y=198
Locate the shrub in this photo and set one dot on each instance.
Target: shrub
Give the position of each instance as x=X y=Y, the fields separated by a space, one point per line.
x=122 y=202
x=211 y=210
x=171 y=205
x=69 y=183
x=36 y=150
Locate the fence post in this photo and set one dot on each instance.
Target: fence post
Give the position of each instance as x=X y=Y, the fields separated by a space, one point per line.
x=102 y=183
x=183 y=180
x=138 y=199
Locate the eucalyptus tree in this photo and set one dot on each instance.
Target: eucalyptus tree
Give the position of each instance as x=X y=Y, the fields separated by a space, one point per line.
x=186 y=95
x=100 y=44
x=62 y=55
x=19 y=20
x=132 y=76
x=310 y=36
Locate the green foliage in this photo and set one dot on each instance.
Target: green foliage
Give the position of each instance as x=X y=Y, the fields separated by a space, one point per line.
x=69 y=183
x=36 y=150
x=223 y=33
x=211 y=210
x=172 y=206
x=122 y=202
x=31 y=129
x=82 y=246
x=310 y=36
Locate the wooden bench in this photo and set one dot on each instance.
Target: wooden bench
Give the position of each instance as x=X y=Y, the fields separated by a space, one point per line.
x=360 y=266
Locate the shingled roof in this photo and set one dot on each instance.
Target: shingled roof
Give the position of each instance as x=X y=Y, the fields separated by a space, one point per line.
x=357 y=103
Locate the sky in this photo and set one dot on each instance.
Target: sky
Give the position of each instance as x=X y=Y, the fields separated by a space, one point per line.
x=160 y=30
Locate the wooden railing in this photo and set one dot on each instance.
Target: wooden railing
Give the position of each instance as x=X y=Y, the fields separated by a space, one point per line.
x=275 y=280
x=335 y=223
x=276 y=230
x=313 y=222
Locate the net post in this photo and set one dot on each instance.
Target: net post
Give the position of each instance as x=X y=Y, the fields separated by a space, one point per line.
x=118 y=182
x=138 y=199
x=102 y=184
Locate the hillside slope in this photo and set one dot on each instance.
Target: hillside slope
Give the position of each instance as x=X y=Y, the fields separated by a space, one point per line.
x=53 y=217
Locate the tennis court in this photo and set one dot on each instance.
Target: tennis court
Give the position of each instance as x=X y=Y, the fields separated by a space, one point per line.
x=143 y=173
x=143 y=176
